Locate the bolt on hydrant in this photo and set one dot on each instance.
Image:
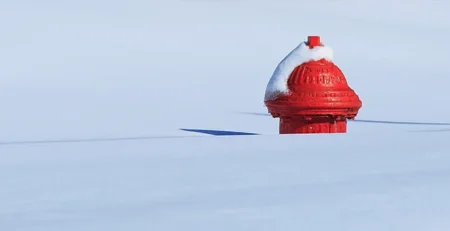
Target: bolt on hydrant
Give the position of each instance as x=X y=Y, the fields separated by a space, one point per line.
x=309 y=93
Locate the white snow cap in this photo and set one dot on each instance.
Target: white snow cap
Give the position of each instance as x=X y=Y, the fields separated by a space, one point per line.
x=301 y=54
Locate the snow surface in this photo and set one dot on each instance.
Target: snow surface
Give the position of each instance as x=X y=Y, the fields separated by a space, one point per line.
x=95 y=95
x=223 y=183
x=302 y=53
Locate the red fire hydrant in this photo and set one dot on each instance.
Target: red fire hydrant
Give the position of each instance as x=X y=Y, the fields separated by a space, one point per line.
x=309 y=93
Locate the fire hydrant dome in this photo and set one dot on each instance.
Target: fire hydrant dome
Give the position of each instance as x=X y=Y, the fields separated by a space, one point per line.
x=317 y=88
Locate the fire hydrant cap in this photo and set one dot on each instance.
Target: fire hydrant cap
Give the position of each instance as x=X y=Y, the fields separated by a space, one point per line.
x=313 y=41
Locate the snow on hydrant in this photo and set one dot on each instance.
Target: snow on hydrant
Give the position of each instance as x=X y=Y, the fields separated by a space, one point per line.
x=309 y=93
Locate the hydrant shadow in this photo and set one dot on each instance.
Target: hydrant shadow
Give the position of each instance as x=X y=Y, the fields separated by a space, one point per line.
x=88 y=140
x=218 y=132
x=369 y=121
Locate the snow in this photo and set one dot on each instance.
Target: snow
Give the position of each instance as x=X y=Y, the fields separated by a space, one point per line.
x=301 y=54
x=98 y=97
x=223 y=183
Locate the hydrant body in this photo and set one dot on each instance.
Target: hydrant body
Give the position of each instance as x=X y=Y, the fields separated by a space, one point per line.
x=319 y=99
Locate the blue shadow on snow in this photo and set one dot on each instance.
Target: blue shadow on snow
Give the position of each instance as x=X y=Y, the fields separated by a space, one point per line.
x=397 y=122
x=368 y=121
x=218 y=132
